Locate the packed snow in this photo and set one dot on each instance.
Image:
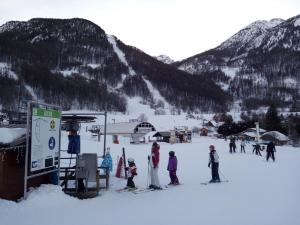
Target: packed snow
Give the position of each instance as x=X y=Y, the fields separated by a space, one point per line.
x=111 y=39
x=258 y=192
x=156 y=95
x=8 y=135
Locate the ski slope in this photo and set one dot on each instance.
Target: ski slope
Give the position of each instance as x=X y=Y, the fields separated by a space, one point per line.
x=259 y=192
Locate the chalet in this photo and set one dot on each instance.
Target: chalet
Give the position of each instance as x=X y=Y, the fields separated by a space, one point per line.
x=275 y=136
x=250 y=134
x=163 y=136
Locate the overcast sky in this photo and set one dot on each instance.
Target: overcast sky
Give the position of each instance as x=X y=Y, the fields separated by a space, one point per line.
x=178 y=28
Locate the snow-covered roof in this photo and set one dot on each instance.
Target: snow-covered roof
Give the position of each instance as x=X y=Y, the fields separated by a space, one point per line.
x=162 y=134
x=250 y=134
x=9 y=135
x=253 y=130
x=214 y=123
x=276 y=135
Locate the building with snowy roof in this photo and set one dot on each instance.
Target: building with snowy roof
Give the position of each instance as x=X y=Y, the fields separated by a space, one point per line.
x=128 y=128
x=134 y=130
x=275 y=136
x=251 y=134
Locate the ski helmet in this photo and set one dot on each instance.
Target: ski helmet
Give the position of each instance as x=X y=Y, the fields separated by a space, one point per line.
x=171 y=153
x=130 y=160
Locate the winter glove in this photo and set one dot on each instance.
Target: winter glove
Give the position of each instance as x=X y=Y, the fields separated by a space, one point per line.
x=208 y=165
x=148 y=157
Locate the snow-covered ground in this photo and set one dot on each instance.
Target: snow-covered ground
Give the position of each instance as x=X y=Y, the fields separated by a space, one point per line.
x=258 y=192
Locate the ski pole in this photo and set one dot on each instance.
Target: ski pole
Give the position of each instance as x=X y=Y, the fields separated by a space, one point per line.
x=148 y=172
x=225 y=179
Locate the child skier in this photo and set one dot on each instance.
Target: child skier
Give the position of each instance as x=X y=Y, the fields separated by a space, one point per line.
x=172 y=168
x=131 y=172
x=243 y=144
x=256 y=149
x=154 y=162
x=213 y=161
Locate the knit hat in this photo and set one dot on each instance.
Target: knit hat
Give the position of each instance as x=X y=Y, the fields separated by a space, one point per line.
x=171 y=153
x=212 y=147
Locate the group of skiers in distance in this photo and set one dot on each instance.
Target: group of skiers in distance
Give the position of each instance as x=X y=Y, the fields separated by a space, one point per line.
x=213 y=163
x=256 y=148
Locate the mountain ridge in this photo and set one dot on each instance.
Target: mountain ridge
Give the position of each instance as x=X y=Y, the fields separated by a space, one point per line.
x=86 y=68
x=256 y=65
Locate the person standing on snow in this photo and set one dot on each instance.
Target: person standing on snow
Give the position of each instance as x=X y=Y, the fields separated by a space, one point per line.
x=213 y=161
x=172 y=168
x=154 y=162
x=131 y=172
x=232 y=145
x=243 y=144
x=270 y=151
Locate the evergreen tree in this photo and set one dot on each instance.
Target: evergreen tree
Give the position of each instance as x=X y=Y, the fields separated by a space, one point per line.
x=272 y=121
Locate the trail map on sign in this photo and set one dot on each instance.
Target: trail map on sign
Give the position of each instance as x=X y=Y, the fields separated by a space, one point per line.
x=44 y=138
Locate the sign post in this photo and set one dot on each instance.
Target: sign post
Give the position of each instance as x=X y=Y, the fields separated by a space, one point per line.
x=42 y=141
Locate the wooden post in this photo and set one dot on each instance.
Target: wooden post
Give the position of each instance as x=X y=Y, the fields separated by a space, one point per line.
x=124 y=157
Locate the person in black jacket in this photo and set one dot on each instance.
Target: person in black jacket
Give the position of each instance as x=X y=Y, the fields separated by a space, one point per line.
x=270 y=151
x=213 y=161
x=232 y=145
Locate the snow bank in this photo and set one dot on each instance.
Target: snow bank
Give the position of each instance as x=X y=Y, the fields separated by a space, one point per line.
x=8 y=135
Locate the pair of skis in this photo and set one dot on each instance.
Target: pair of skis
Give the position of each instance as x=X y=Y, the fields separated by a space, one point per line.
x=141 y=190
x=206 y=183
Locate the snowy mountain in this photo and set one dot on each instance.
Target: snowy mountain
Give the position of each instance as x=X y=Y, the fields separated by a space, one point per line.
x=75 y=64
x=165 y=59
x=258 y=64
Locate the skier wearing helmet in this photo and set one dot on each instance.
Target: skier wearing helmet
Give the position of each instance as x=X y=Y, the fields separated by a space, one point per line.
x=213 y=161
x=131 y=172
